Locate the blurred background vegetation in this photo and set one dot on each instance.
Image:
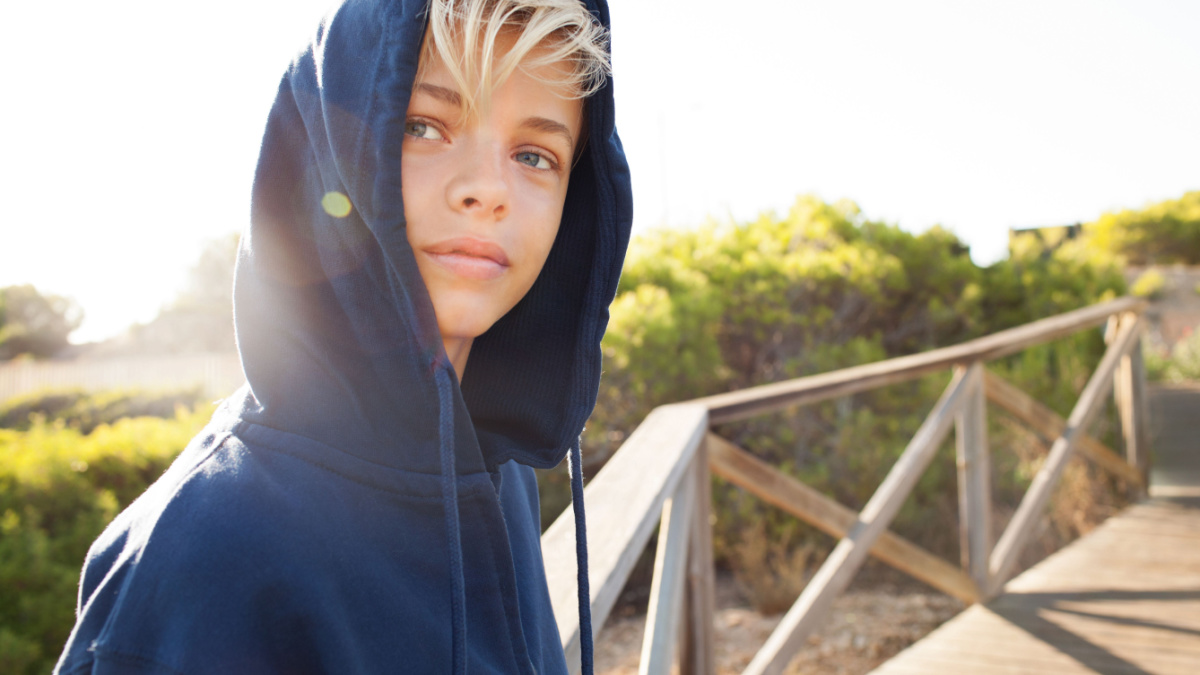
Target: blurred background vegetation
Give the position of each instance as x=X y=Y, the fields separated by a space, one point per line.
x=69 y=462
x=720 y=307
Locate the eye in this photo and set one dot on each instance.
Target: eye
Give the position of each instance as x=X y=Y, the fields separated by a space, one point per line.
x=535 y=160
x=419 y=129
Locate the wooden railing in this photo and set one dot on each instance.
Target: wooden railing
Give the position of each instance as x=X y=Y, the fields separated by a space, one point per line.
x=661 y=476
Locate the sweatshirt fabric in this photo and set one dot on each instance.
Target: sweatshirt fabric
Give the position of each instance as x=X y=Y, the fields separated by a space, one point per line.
x=353 y=508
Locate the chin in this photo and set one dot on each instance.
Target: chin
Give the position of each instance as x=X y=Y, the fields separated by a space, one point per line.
x=467 y=315
x=465 y=328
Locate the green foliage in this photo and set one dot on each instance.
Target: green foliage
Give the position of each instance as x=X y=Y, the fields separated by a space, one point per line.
x=1151 y=284
x=85 y=411
x=33 y=323
x=728 y=306
x=1033 y=284
x=59 y=488
x=1160 y=234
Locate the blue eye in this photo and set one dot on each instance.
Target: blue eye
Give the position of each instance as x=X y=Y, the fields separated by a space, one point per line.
x=422 y=130
x=534 y=160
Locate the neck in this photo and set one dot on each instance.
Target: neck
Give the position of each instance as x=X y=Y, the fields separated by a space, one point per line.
x=458 y=348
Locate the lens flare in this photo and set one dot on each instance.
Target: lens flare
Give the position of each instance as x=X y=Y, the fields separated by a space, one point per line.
x=336 y=204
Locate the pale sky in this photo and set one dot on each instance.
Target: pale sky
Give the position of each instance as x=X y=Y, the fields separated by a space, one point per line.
x=130 y=129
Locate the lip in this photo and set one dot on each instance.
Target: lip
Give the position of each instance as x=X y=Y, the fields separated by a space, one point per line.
x=469 y=257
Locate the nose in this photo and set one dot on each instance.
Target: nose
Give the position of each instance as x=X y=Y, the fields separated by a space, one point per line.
x=479 y=187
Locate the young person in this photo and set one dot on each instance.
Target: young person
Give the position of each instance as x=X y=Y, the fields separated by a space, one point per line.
x=439 y=217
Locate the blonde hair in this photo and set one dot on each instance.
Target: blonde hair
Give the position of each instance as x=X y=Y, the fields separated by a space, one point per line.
x=463 y=34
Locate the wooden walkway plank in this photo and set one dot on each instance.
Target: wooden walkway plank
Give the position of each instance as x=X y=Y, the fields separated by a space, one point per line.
x=1125 y=599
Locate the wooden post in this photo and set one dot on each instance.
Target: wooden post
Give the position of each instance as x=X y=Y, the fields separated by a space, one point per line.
x=1130 y=393
x=1021 y=527
x=696 y=654
x=624 y=503
x=974 y=480
x=666 y=588
x=850 y=553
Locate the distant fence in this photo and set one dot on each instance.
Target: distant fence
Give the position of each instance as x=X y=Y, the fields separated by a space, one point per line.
x=216 y=374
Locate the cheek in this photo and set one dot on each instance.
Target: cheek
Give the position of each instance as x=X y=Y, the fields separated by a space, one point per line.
x=538 y=237
x=418 y=185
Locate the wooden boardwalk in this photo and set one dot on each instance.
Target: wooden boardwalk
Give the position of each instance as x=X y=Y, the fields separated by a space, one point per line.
x=1123 y=600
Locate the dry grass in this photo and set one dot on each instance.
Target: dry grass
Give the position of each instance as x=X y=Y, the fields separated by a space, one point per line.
x=865 y=627
x=770 y=573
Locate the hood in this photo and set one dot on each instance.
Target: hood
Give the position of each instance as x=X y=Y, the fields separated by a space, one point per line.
x=336 y=331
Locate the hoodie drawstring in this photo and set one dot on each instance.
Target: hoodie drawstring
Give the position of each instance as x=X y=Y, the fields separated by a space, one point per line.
x=458 y=600
x=585 y=596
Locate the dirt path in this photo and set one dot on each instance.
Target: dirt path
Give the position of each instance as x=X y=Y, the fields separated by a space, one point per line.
x=865 y=628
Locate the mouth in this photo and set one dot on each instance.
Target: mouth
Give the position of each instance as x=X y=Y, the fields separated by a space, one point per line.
x=469 y=257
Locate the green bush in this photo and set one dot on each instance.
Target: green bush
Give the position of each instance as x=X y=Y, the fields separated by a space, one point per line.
x=1151 y=284
x=1160 y=234
x=59 y=488
x=728 y=306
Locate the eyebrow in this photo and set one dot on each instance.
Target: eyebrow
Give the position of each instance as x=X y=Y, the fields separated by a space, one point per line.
x=549 y=126
x=441 y=93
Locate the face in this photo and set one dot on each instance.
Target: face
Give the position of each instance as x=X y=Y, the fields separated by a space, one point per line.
x=483 y=195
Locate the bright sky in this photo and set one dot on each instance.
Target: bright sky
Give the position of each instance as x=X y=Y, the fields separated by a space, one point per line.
x=130 y=128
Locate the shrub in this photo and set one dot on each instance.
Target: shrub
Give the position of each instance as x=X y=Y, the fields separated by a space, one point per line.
x=59 y=488
x=771 y=571
x=728 y=306
x=1160 y=234
x=1151 y=284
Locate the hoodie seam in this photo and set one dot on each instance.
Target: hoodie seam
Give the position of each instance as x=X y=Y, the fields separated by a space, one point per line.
x=467 y=490
x=134 y=659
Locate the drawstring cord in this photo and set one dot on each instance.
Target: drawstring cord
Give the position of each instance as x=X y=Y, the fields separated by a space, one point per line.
x=458 y=601
x=585 y=596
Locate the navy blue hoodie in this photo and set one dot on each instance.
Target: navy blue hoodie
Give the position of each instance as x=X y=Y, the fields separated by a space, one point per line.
x=353 y=509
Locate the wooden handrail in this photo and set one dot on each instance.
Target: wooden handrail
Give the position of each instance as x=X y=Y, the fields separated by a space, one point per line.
x=624 y=501
x=1047 y=423
x=661 y=473
x=736 y=405
x=776 y=488
x=666 y=589
x=1020 y=528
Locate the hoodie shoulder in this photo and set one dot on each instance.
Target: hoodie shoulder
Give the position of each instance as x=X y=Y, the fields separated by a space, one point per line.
x=184 y=580
x=252 y=555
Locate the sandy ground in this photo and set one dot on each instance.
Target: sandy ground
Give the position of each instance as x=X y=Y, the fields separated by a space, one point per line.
x=865 y=628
